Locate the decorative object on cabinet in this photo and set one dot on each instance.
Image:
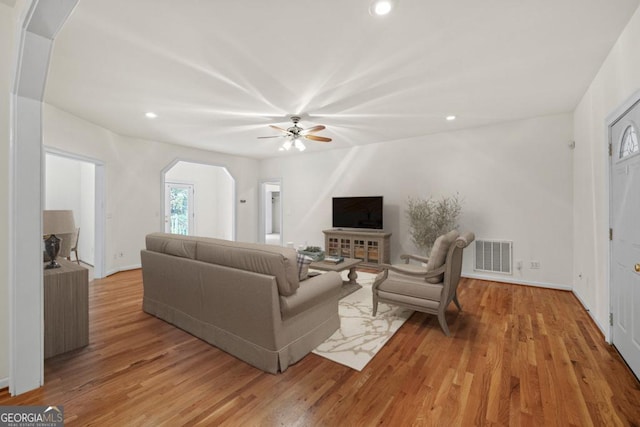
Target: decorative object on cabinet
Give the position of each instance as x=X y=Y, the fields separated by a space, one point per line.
x=314 y=252
x=55 y=222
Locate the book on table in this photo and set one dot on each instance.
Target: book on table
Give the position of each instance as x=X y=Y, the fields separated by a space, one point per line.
x=333 y=259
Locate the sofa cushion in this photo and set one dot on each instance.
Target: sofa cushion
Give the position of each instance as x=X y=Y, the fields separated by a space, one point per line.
x=265 y=259
x=172 y=244
x=411 y=286
x=439 y=254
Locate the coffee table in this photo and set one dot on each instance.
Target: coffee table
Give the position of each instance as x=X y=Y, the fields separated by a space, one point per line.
x=348 y=263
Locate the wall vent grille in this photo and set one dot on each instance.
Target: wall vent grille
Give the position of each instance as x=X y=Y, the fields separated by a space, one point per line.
x=494 y=256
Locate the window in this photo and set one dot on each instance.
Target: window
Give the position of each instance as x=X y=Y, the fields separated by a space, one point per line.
x=629 y=142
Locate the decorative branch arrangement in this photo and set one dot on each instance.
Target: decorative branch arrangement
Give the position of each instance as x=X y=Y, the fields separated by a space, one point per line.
x=430 y=218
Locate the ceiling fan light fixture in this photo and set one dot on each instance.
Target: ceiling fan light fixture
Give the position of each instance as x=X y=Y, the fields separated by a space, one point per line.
x=295 y=135
x=299 y=145
x=380 y=7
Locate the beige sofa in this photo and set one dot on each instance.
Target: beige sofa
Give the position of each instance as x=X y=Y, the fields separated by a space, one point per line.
x=245 y=299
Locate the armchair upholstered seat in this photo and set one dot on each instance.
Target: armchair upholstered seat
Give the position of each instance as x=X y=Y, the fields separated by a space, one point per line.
x=427 y=288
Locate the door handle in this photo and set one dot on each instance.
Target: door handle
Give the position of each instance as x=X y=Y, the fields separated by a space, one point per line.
x=637 y=267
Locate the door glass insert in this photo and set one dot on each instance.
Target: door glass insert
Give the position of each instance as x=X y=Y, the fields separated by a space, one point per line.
x=629 y=142
x=180 y=207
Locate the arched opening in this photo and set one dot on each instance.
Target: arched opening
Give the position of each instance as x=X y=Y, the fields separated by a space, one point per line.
x=198 y=200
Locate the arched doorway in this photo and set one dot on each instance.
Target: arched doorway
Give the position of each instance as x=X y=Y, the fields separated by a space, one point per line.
x=198 y=200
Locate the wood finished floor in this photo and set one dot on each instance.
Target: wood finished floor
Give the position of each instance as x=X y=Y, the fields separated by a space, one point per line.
x=518 y=356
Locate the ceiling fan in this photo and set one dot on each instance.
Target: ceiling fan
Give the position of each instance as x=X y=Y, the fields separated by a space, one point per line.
x=295 y=134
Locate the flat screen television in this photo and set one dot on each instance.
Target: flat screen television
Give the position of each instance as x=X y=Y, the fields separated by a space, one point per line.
x=357 y=212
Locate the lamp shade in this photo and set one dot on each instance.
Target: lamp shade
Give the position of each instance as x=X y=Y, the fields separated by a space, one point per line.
x=58 y=222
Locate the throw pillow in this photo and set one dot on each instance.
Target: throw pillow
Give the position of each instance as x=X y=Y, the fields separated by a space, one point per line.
x=303 y=262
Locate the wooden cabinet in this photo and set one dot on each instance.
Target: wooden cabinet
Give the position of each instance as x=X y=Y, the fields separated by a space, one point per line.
x=372 y=247
x=66 y=308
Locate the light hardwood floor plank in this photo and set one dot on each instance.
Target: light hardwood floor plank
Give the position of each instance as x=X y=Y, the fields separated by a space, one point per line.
x=517 y=356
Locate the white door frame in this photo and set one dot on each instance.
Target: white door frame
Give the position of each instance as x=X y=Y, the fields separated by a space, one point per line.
x=610 y=120
x=99 y=202
x=39 y=25
x=262 y=214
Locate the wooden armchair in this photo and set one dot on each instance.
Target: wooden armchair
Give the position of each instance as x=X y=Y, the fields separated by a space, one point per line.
x=74 y=240
x=430 y=288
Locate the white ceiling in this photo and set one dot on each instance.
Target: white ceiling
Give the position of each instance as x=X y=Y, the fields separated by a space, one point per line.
x=218 y=72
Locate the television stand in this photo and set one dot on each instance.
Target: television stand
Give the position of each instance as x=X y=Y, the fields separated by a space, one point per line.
x=370 y=246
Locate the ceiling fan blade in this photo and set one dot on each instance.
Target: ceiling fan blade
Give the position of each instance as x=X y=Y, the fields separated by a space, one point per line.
x=279 y=128
x=313 y=129
x=317 y=138
x=275 y=136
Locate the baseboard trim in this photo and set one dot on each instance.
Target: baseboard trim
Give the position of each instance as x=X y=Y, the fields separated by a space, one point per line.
x=515 y=281
x=121 y=269
x=603 y=331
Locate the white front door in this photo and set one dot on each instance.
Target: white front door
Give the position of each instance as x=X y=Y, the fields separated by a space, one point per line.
x=625 y=242
x=179 y=214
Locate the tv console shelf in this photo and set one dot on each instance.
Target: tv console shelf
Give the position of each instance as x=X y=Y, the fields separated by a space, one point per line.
x=372 y=247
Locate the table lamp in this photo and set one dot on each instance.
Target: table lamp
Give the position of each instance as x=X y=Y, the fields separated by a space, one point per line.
x=55 y=222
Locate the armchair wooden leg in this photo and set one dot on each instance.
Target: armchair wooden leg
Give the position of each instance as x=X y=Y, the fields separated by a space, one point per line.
x=375 y=305
x=443 y=324
x=455 y=300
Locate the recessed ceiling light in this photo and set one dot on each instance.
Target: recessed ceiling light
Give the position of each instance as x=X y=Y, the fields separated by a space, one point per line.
x=451 y=118
x=381 y=7
x=150 y=115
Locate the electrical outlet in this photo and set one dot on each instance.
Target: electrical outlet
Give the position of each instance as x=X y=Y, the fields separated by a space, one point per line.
x=535 y=265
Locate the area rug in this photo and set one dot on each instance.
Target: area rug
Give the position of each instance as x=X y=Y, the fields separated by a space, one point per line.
x=361 y=335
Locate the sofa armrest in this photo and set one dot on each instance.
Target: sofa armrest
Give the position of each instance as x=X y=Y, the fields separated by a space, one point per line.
x=312 y=291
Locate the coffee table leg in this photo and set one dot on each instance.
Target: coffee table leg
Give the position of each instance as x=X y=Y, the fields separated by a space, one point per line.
x=353 y=275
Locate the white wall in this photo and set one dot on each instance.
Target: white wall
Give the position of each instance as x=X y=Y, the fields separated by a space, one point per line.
x=62 y=182
x=134 y=181
x=617 y=80
x=515 y=179
x=7 y=52
x=213 y=197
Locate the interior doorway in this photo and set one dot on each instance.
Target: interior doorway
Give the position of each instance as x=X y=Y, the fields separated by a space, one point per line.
x=198 y=199
x=76 y=183
x=271 y=212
